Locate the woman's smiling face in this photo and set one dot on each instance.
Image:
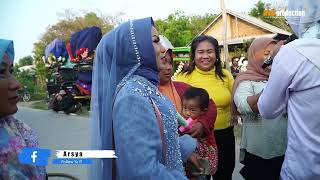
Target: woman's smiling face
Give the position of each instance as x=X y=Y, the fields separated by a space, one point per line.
x=205 y=56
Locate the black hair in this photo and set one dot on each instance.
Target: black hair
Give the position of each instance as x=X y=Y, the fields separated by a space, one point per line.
x=233 y=59
x=198 y=93
x=194 y=45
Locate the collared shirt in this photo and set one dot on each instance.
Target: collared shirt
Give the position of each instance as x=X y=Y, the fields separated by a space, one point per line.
x=294 y=84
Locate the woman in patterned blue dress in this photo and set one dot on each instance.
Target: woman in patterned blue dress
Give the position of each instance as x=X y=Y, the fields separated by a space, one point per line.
x=129 y=114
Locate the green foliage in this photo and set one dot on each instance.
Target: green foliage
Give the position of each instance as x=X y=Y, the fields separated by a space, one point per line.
x=260 y=7
x=279 y=22
x=246 y=44
x=241 y=50
x=70 y=23
x=39 y=93
x=180 y=28
x=28 y=60
x=25 y=78
x=40 y=105
x=28 y=79
x=16 y=70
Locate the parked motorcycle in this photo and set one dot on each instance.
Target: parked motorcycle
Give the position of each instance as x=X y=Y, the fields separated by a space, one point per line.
x=24 y=94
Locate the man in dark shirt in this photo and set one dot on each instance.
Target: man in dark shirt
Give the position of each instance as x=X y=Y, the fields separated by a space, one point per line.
x=235 y=69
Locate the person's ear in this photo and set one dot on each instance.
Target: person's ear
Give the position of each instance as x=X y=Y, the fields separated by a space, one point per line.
x=5 y=56
x=276 y=48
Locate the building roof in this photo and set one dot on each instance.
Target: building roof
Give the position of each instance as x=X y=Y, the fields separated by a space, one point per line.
x=241 y=40
x=250 y=19
x=30 y=68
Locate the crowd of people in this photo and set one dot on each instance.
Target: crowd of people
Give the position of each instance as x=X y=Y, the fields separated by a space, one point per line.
x=238 y=64
x=148 y=141
x=137 y=107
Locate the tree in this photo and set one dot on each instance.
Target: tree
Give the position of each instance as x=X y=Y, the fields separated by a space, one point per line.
x=278 y=21
x=198 y=22
x=175 y=28
x=180 y=28
x=258 y=9
x=241 y=50
x=71 y=22
x=27 y=60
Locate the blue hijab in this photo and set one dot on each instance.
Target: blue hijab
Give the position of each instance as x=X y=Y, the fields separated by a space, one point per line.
x=6 y=46
x=57 y=47
x=124 y=51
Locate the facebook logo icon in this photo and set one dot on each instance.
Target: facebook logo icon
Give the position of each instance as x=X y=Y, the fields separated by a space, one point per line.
x=34 y=156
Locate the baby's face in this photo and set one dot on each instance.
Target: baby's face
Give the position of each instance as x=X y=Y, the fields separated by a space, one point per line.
x=191 y=108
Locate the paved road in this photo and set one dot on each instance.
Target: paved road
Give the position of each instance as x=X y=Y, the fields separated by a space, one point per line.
x=59 y=131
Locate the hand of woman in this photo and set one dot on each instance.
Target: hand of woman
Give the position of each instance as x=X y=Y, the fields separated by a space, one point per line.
x=196 y=131
x=253 y=100
x=194 y=159
x=235 y=120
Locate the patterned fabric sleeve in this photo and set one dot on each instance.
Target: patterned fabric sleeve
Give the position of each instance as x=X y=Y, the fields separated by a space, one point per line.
x=140 y=143
x=29 y=135
x=27 y=138
x=240 y=98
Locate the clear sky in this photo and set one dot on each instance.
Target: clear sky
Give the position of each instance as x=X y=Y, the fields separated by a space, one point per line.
x=24 y=21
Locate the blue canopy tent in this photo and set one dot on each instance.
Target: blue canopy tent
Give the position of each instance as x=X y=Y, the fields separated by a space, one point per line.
x=58 y=48
x=86 y=38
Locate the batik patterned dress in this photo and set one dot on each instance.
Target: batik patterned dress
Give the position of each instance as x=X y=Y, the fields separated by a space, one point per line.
x=137 y=134
x=16 y=135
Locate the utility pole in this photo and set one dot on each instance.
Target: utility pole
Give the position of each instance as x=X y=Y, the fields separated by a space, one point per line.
x=224 y=32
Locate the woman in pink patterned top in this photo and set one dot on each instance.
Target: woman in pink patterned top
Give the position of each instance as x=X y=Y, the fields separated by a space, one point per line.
x=14 y=134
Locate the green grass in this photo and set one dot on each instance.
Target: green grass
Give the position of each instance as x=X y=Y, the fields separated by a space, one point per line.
x=84 y=112
x=44 y=106
x=38 y=96
x=40 y=105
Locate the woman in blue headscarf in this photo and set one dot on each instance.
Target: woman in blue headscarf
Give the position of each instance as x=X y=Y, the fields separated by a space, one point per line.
x=14 y=134
x=129 y=114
